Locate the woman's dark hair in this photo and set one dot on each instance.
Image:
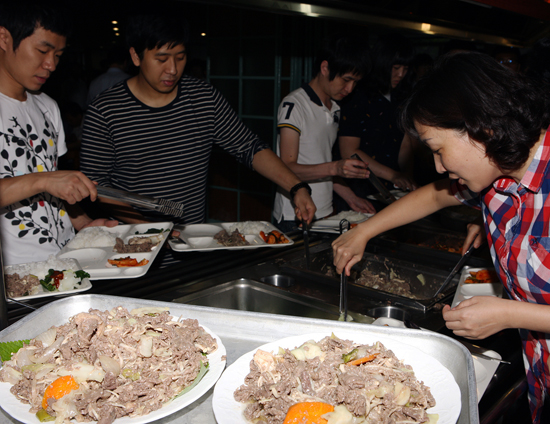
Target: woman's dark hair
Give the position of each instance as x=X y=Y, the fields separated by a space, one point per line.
x=22 y=17
x=344 y=54
x=150 y=31
x=390 y=49
x=472 y=94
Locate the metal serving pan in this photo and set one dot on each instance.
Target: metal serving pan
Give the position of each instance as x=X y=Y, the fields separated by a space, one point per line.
x=242 y=332
x=427 y=245
x=322 y=271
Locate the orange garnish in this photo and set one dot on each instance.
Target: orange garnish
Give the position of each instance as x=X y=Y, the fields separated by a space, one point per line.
x=128 y=261
x=307 y=413
x=59 y=388
x=362 y=360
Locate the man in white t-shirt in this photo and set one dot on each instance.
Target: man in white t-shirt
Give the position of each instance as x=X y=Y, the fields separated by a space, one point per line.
x=308 y=126
x=35 y=221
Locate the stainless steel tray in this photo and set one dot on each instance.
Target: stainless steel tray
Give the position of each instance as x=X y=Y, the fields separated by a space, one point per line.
x=322 y=271
x=243 y=331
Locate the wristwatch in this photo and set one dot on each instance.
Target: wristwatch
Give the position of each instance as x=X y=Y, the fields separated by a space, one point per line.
x=297 y=187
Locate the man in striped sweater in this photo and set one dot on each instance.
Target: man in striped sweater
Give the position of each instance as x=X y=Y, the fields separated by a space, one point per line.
x=153 y=134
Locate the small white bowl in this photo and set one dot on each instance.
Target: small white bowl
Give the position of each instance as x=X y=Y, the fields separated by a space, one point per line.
x=481 y=289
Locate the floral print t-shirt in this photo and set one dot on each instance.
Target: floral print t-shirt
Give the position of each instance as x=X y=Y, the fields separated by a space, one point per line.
x=32 y=139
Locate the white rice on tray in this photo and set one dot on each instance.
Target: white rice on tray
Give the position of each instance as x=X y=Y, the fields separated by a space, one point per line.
x=40 y=269
x=249 y=227
x=93 y=237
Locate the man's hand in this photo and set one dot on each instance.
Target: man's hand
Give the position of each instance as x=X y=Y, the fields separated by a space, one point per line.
x=304 y=208
x=71 y=186
x=358 y=204
x=403 y=182
x=351 y=168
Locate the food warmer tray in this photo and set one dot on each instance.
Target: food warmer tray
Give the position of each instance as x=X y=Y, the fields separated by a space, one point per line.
x=321 y=270
x=406 y=241
x=243 y=331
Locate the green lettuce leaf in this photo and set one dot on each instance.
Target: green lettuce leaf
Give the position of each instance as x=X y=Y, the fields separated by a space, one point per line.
x=8 y=348
x=202 y=372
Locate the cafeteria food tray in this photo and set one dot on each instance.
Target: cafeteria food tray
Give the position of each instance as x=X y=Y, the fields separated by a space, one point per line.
x=200 y=237
x=84 y=285
x=242 y=331
x=94 y=260
x=465 y=291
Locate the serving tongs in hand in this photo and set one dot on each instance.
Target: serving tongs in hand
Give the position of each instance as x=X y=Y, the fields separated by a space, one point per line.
x=344 y=226
x=386 y=195
x=164 y=206
x=457 y=268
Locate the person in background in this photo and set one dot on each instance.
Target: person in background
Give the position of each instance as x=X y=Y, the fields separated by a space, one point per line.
x=117 y=60
x=308 y=125
x=420 y=66
x=159 y=143
x=508 y=56
x=369 y=126
x=35 y=220
x=488 y=128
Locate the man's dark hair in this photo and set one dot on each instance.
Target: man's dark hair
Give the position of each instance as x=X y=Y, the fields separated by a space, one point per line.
x=389 y=50
x=472 y=94
x=150 y=31
x=344 y=54
x=22 y=17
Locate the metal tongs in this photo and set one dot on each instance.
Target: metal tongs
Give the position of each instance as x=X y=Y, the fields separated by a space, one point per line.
x=306 y=241
x=164 y=206
x=387 y=197
x=457 y=267
x=344 y=226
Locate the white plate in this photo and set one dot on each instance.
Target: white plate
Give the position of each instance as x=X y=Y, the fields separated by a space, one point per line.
x=84 y=285
x=94 y=259
x=200 y=237
x=426 y=368
x=466 y=291
x=332 y=223
x=20 y=411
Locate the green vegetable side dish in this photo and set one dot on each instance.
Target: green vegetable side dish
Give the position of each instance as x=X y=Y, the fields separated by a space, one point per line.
x=9 y=348
x=53 y=275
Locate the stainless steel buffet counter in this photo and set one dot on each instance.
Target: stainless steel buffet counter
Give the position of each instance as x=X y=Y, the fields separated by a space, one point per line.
x=242 y=332
x=239 y=276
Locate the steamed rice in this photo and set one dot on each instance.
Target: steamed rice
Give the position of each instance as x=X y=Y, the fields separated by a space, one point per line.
x=93 y=237
x=40 y=269
x=249 y=227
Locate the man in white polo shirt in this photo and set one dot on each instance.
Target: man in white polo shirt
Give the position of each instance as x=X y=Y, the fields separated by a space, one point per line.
x=308 y=126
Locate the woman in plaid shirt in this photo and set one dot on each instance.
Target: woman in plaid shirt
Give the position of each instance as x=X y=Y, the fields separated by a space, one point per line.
x=486 y=127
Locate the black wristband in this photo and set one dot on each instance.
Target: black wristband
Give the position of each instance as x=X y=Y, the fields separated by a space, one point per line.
x=297 y=187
